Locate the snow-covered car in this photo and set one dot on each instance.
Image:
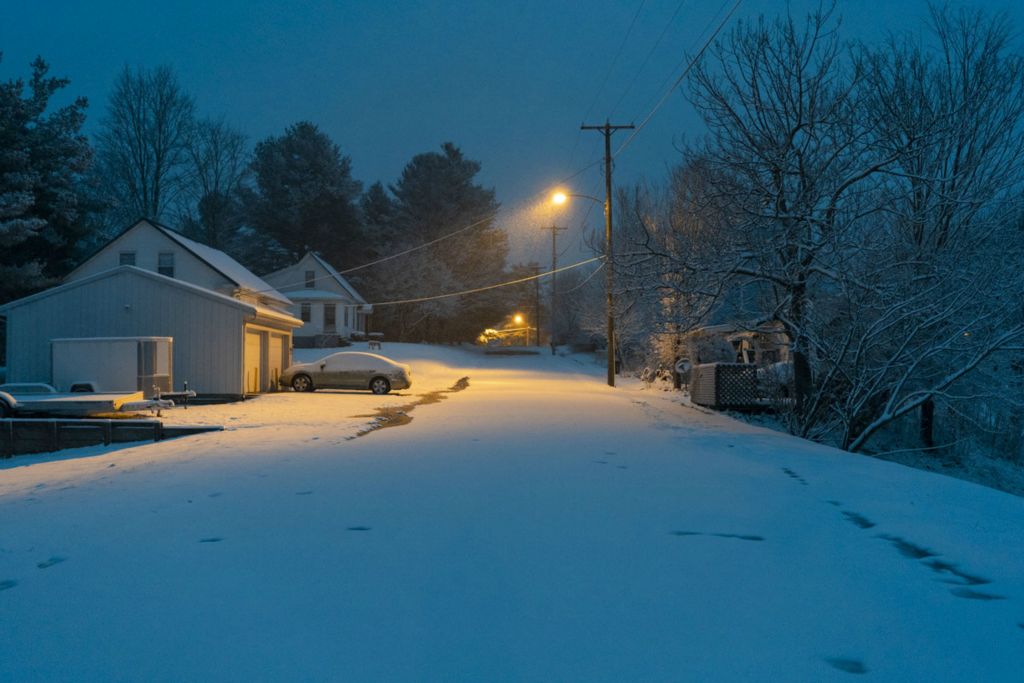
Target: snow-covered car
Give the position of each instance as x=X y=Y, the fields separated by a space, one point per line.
x=349 y=370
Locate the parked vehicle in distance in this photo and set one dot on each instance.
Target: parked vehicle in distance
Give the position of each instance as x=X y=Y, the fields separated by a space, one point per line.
x=349 y=370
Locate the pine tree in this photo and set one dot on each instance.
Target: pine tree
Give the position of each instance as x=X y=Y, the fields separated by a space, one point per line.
x=436 y=195
x=305 y=196
x=43 y=157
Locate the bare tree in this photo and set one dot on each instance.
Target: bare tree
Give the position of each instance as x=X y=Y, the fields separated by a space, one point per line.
x=950 y=247
x=867 y=203
x=143 y=145
x=217 y=170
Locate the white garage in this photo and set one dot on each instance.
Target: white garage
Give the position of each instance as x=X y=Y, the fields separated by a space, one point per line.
x=223 y=346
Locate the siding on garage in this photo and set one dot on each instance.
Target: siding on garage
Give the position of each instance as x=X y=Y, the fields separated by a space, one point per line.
x=207 y=329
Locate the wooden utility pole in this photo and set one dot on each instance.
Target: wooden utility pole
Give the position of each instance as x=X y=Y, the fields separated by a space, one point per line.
x=607 y=129
x=554 y=280
x=536 y=308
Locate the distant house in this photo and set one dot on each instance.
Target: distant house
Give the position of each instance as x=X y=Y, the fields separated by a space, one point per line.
x=232 y=331
x=328 y=306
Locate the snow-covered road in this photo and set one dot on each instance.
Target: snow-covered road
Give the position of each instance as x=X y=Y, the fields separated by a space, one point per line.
x=536 y=526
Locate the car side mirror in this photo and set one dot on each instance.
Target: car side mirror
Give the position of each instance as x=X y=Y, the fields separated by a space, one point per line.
x=323 y=365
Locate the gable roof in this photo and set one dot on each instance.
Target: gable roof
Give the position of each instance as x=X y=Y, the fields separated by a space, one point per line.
x=338 y=278
x=299 y=287
x=227 y=267
x=196 y=290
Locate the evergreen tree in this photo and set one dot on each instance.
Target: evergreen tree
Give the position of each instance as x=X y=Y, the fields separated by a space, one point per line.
x=437 y=195
x=305 y=196
x=43 y=156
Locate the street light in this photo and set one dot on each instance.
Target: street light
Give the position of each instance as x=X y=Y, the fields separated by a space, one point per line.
x=561 y=197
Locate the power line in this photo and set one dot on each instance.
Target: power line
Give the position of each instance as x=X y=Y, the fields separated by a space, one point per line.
x=604 y=82
x=489 y=217
x=679 y=80
x=589 y=277
x=477 y=290
x=615 y=60
x=647 y=58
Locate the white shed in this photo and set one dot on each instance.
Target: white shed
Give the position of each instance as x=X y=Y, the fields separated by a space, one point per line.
x=223 y=346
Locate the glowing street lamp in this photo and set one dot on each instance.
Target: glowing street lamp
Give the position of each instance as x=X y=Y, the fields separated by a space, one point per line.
x=518 y=319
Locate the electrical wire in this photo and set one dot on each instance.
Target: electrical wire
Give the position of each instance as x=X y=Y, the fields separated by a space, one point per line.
x=615 y=60
x=477 y=290
x=682 y=76
x=589 y=277
x=650 y=52
x=524 y=203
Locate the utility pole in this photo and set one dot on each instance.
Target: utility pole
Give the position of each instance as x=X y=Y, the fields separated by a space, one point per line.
x=554 y=280
x=607 y=129
x=536 y=308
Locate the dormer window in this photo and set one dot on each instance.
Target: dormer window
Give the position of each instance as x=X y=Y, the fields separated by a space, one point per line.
x=126 y=258
x=165 y=264
x=310 y=279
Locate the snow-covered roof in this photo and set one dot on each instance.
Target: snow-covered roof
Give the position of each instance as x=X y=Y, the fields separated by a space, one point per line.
x=338 y=278
x=252 y=309
x=318 y=295
x=225 y=265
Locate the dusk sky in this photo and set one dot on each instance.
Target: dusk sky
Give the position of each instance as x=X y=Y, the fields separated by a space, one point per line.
x=509 y=82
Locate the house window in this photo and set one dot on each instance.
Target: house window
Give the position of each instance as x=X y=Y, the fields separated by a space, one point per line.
x=165 y=264
x=304 y=313
x=126 y=258
x=310 y=279
x=329 y=317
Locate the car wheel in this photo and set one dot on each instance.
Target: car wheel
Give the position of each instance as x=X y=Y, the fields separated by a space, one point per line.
x=5 y=410
x=302 y=383
x=380 y=385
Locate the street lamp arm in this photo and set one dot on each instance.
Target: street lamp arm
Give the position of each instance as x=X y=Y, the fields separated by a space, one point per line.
x=586 y=196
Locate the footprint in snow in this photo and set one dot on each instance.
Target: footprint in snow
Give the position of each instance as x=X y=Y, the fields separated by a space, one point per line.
x=303 y=493
x=211 y=539
x=850 y=666
x=601 y=462
x=742 y=537
x=975 y=595
x=358 y=528
x=7 y=583
x=56 y=559
x=215 y=494
x=908 y=549
x=834 y=502
x=858 y=519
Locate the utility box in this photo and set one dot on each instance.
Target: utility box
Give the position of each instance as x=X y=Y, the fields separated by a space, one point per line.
x=111 y=364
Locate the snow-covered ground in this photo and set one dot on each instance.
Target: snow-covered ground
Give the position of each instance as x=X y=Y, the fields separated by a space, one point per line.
x=536 y=526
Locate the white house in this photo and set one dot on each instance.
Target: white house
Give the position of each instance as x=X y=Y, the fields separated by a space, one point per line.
x=325 y=302
x=232 y=331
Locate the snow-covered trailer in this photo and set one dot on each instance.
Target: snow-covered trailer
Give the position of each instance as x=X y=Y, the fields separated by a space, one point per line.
x=113 y=364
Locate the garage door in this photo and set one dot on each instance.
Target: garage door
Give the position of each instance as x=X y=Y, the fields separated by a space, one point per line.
x=253 y=356
x=275 y=360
